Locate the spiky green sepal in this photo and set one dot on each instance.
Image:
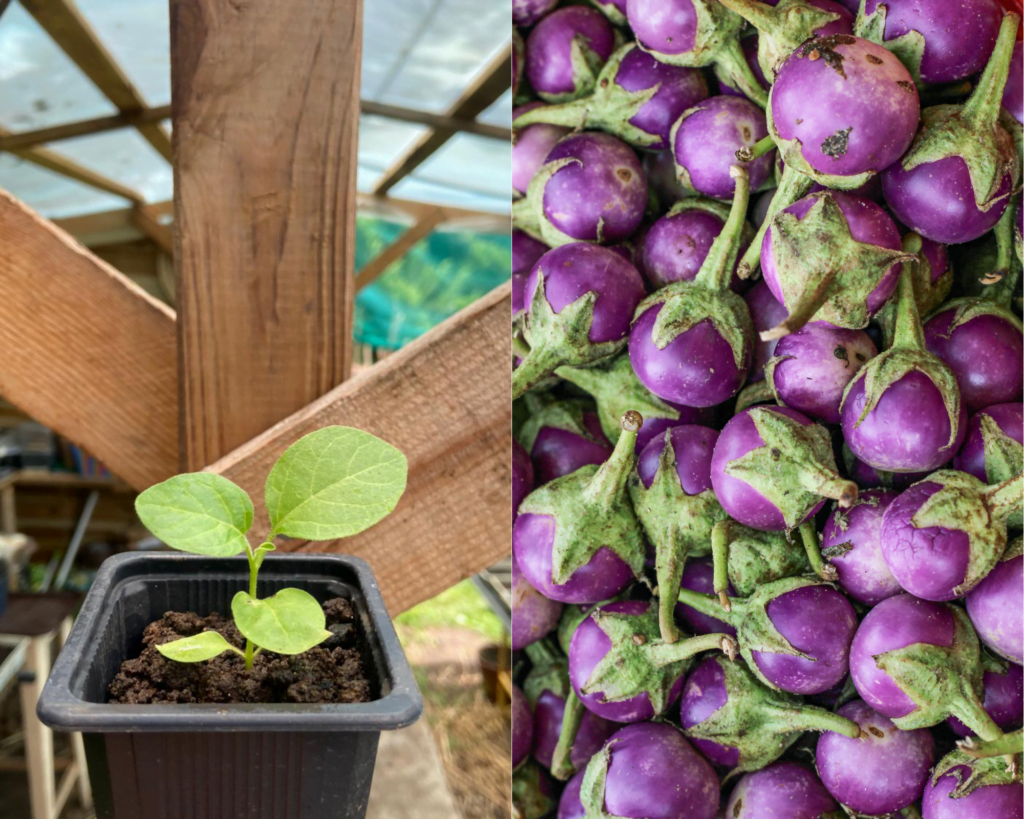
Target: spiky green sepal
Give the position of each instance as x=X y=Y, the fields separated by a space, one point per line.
x=793 y=186
x=586 y=66
x=611 y=11
x=972 y=307
x=550 y=672
x=572 y=616
x=567 y=415
x=928 y=294
x=528 y=213
x=594 y=782
x=531 y=796
x=794 y=468
x=754 y=558
x=1004 y=458
x=907 y=48
x=981 y=771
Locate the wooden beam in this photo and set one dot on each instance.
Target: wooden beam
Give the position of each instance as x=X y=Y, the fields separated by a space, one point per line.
x=84 y=127
x=86 y=352
x=266 y=103
x=65 y=24
x=494 y=81
x=445 y=401
x=436 y=121
x=405 y=242
x=147 y=220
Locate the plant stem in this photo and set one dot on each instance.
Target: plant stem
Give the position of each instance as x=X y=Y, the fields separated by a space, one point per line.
x=818 y=478
x=1012 y=743
x=813 y=718
x=762 y=147
x=792 y=186
x=716 y=271
x=667 y=653
x=535 y=367
x=970 y=712
x=608 y=484
x=561 y=763
x=908 y=333
x=983 y=106
x=759 y=392
x=733 y=63
x=709 y=604
x=572 y=114
x=720 y=562
x=826 y=571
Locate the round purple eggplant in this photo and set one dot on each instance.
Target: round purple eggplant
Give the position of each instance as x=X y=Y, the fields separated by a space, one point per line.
x=705 y=140
x=955 y=181
x=526 y=251
x=650 y=771
x=534 y=615
x=882 y=771
x=773 y=468
x=852 y=543
x=522 y=476
x=526 y=13
x=579 y=301
x=781 y=789
x=1003 y=699
x=962 y=789
x=577 y=538
x=531 y=145
x=563 y=436
x=996 y=603
x=942 y=536
x=992 y=450
x=765 y=312
x=811 y=368
x=522 y=727
x=570 y=806
x=739 y=723
x=547 y=727
x=565 y=52
x=699 y=576
x=867 y=477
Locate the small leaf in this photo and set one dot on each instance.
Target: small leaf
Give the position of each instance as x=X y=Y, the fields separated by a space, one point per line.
x=197 y=648
x=198 y=512
x=333 y=483
x=290 y=622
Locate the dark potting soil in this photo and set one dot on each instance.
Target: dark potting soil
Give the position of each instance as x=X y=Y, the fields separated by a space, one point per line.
x=330 y=673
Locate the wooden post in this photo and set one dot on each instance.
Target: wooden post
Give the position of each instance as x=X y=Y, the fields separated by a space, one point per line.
x=265 y=101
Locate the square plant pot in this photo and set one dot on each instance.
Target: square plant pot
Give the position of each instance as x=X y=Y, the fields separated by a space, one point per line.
x=259 y=761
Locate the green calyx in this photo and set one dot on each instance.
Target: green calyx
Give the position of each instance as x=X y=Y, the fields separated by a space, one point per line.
x=928 y=294
x=1004 y=456
x=611 y=11
x=825 y=274
x=609 y=107
x=550 y=672
x=530 y=792
x=794 y=468
x=679 y=526
x=761 y=723
x=557 y=339
x=793 y=186
x=586 y=67
x=616 y=390
x=567 y=415
x=594 y=782
x=748 y=558
x=528 y=213
x=972 y=131
x=907 y=48
x=906 y=355
x=983 y=764
x=591 y=510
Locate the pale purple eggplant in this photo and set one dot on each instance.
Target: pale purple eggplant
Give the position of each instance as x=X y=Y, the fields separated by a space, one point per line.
x=526 y=13
x=781 y=789
x=992 y=451
x=531 y=145
x=765 y=312
x=534 y=616
x=956 y=791
x=852 y=543
x=995 y=606
x=565 y=52
x=563 y=436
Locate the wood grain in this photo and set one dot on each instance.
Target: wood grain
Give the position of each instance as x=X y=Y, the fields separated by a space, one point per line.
x=266 y=102
x=406 y=241
x=445 y=401
x=85 y=351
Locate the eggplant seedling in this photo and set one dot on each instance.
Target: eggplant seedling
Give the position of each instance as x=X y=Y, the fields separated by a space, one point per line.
x=330 y=484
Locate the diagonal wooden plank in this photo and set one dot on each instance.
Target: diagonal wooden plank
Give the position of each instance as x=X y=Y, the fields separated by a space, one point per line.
x=467 y=126
x=445 y=401
x=65 y=24
x=84 y=127
x=494 y=81
x=405 y=242
x=147 y=220
x=85 y=351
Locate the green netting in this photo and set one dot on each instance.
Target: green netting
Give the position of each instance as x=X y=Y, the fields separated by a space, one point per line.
x=439 y=276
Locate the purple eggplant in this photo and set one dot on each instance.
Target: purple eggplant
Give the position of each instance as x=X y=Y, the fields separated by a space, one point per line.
x=522 y=476
x=570 y=806
x=1003 y=697
x=614 y=10
x=531 y=145
x=526 y=251
x=591 y=188
x=522 y=727
x=996 y=603
x=960 y=788
x=781 y=789
x=942 y=536
x=955 y=181
x=699 y=576
x=636 y=98
x=579 y=301
x=739 y=723
x=881 y=772
x=992 y=450
x=526 y=13
x=563 y=436
x=577 y=538
x=773 y=469
x=565 y=52
x=765 y=312
x=691 y=342
x=650 y=771
x=852 y=543
x=534 y=615
x=867 y=477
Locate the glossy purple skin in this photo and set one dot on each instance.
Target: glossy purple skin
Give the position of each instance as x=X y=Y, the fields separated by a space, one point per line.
x=765 y=312
x=547 y=725
x=675 y=247
x=530 y=147
x=868 y=224
x=739 y=499
x=573 y=270
x=812 y=376
x=1003 y=700
x=811 y=101
x=894 y=623
x=603 y=577
x=557 y=452
x=522 y=727
x=588 y=647
x=937 y=256
x=549 y=47
x=655 y=773
x=660 y=168
x=1013 y=93
x=525 y=252
x=984 y=354
x=749 y=46
x=698 y=576
x=522 y=475
x=907 y=431
x=696 y=368
x=937 y=200
x=527 y=12
x=783 y=789
x=680 y=88
x=987 y=802
x=971 y=457
x=693 y=446
x=863 y=574
x=667 y=26
x=605 y=185
x=995 y=606
x=707 y=140
x=652 y=427
x=880 y=772
x=535 y=615
x=570 y=806
x=703 y=694
x=820 y=622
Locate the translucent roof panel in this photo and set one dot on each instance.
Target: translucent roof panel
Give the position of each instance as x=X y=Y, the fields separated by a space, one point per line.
x=124 y=156
x=381 y=143
x=52 y=195
x=474 y=169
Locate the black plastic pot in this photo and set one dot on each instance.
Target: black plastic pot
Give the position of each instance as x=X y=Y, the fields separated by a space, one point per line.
x=282 y=761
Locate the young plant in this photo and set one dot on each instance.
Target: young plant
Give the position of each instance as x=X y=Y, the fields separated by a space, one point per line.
x=332 y=483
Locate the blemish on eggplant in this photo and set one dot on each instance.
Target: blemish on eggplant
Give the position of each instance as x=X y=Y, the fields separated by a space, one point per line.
x=835 y=146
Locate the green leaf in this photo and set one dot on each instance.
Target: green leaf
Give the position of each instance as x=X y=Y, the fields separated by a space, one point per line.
x=197 y=648
x=198 y=512
x=290 y=622
x=333 y=483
